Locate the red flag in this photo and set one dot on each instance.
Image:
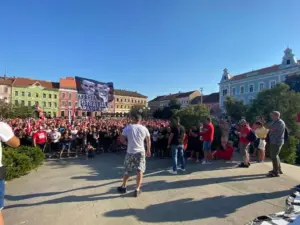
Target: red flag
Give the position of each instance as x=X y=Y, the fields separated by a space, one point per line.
x=40 y=111
x=28 y=127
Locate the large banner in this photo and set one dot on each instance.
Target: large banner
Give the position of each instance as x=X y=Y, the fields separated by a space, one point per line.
x=93 y=95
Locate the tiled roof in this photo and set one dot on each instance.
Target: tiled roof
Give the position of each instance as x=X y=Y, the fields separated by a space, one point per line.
x=257 y=72
x=129 y=93
x=212 y=98
x=172 y=96
x=24 y=82
x=6 y=80
x=68 y=83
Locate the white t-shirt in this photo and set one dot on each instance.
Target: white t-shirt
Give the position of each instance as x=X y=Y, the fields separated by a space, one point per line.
x=55 y=136
x=135 y=134
x=74 y=134
x=6 y=134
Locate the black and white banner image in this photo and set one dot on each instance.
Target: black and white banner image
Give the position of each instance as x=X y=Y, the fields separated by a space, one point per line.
x=93 y=95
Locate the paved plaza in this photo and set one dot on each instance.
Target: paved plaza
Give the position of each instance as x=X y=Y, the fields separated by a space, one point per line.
x=83 y=192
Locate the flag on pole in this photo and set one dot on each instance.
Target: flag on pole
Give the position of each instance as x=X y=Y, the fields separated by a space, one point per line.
x=40 y=111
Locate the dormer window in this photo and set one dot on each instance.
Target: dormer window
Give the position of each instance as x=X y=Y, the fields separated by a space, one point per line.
x=288 y=62
x=225 y=78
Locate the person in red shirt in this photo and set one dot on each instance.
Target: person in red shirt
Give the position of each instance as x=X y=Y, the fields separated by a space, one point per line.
x=244 y=143
x=40 y=138
x=208 y=137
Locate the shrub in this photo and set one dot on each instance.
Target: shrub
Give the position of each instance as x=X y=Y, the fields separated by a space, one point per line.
x=22 y=160
x=288 y=152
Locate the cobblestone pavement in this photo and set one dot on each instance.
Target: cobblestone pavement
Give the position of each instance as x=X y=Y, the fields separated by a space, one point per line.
x=83 y=192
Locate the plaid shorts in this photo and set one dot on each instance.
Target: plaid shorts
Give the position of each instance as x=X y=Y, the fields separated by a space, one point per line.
x=135 y=161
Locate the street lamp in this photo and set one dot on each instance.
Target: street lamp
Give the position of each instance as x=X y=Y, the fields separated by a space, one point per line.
x=201 y=95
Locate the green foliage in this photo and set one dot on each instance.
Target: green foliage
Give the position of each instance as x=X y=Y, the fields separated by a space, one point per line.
x=288 y=152
x=235 y=108
x=293 y=82
x=16 y=111
x=192 y=115
x=278 y=98
x=19 y=161
x=168 y=111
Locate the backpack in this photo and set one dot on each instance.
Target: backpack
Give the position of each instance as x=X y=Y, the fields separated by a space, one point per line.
x=251 y=136
x=286 y=135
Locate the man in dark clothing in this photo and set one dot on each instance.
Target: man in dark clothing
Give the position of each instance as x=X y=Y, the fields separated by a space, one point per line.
x=175 y=141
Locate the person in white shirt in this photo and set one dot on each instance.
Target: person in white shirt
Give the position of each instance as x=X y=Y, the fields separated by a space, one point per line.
x=134 y=136
x=7 y=136
x=55 y=137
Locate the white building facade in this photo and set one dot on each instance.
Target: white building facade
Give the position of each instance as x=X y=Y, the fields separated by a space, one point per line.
x=245 y=86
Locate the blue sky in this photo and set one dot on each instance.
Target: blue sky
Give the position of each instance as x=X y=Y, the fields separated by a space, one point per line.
x=151 y=46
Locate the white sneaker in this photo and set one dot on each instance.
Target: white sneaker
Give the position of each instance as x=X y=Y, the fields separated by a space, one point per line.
x=204 y=162
x=172 y=172
x=208 y=162
x=179 y=168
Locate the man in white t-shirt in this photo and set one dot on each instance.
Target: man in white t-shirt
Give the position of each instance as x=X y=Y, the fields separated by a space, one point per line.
x=134 y=136
x=7 y=136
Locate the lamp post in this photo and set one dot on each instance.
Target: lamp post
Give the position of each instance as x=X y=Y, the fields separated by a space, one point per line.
x=201 y=95
x=146 y=109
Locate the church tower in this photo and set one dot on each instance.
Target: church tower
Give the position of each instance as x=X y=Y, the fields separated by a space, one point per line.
x=288 y=59
x=225 y=75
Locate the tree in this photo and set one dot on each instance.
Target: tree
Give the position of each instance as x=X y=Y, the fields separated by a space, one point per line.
x=279 y=98
x=293 y=82
x=236 y=109
x=168 y=111
x=8 y=110
x=193 y=115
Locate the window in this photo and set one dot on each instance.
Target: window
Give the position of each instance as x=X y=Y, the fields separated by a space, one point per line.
x=125 y=100
x=70 y=103
x=55 y=96
x=135 y=101
x=62 y=113
x=29 y=94
x=23 y=93
x=242 y=90
x=22 y=102
x=70 y=95
x=224 y=92
x=272 y=83
x=121 y=99
x=44 y=104
x=29 y=103
x=251 y=88
x=16 y=102
x=55 y=104
x=44 y=95
x=233 y=91
x=76 y=104
x=49 y=104
x=63 y=95
x=261 y=86
x=117 y=106
x=16 y=93
x=132 y=100
x=36 y=95
x=76 y=96
x=117 y=99
x=6 y=89
x=63 y=103
x=50 y=96
x=36 y=103
x=288 y=62
x=121 y=106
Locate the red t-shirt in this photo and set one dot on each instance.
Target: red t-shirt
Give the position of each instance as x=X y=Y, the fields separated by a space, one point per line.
x=40 y=137
x=209 y=134
x=244 y=131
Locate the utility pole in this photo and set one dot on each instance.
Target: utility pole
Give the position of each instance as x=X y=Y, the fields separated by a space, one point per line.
x=201 y=94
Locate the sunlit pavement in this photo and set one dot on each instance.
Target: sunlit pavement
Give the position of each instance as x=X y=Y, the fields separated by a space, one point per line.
x=79 y=191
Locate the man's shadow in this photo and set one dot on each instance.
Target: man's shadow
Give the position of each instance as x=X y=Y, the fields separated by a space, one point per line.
x=187 y=209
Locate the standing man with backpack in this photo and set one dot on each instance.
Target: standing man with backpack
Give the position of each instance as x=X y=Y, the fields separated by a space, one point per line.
x=276 y=137
x=176 y=143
